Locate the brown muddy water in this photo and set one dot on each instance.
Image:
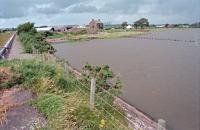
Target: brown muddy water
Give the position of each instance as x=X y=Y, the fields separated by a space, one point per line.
x=160 y=71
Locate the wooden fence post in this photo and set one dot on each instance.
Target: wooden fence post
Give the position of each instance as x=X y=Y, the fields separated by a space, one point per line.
x=92 y=93
x=161 y=124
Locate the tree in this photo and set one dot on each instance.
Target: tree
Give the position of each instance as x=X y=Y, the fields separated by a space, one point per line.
x=124 y=25
x=26 y=27
x=196 y=25
x=141 y=22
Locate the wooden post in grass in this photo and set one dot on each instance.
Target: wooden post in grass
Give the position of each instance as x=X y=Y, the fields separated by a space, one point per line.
x=92 y=93
x=161 y=124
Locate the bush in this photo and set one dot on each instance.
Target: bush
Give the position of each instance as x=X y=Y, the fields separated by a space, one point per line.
x=26 y=27
x=36 y=41
x=104 y=77
x=31 y=39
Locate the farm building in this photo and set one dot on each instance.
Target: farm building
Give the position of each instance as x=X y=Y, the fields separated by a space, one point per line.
x=129 y=27
x=65 y=28
x=45 y=29
x=95 y=26
x=160 y=26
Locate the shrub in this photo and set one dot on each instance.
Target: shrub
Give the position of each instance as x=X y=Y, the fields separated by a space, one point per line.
x=30 y=72
x=105 y=78
x=30 y=39
x=26 y=27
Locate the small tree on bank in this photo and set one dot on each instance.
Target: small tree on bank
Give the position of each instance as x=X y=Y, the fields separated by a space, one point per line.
x=141 y=23
x=124 y=25
x=31 y=39
x=26 y=27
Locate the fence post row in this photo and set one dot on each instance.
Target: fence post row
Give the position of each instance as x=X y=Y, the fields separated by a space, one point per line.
x=92 y=92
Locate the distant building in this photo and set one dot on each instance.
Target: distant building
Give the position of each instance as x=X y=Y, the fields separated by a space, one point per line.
x=95 y=26
x=170 y=25
x=61 y=28
x=65 y=28
x=184 y=25
x=160 y=26
x=129 y=27
x=80 y=26
x=45 y=29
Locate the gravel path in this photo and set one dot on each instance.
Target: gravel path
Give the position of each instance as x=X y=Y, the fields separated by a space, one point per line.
x=17 y=51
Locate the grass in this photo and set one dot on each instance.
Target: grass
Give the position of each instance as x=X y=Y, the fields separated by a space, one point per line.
x=56 y=35
x=49 y=104
x=4 y=38
x=106 y=34
x=62 y=99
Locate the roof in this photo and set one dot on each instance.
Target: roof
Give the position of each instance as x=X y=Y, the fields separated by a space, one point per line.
x=44 y=29
x=96 y=21
x=129 y=27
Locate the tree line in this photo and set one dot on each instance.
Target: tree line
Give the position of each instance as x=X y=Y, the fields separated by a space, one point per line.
x=141 y=23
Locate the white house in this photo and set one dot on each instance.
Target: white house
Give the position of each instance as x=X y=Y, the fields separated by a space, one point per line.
x=80 y=26
x=44 y=29
x=160 y=26
x=129 y=27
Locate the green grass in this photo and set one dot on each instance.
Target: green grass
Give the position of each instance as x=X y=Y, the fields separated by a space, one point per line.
x=49 y=104
x=62 y=99
x=56 y=35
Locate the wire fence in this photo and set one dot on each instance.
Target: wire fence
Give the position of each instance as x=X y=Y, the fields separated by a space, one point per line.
x=98 y=102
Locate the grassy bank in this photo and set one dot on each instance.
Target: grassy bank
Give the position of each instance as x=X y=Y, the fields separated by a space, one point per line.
x=106 y=34
x=61 y=95
x=4 y=38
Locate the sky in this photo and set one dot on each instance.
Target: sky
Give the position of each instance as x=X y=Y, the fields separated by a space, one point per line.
x=65 y=12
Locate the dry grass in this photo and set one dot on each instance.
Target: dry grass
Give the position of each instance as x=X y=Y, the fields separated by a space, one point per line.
x=3 y=110
x=5 y=75
x=4 y=37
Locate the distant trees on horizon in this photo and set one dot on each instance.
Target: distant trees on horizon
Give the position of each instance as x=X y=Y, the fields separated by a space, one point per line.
x=141 y=23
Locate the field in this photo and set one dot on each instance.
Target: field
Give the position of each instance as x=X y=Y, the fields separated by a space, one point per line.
x=106 y=34
x=4 y=37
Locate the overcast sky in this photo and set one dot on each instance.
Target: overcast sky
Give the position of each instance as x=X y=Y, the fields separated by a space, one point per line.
x=62 y=12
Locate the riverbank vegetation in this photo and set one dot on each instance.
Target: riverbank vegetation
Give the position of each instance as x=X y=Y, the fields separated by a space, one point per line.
x=105 y=34
x=31 y=39
x=60 y=94
x=4 y=36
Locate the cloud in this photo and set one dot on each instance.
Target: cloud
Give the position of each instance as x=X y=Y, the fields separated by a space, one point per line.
x=122 y=6
x=47 y=9
x=83 y=9
x=20 y=8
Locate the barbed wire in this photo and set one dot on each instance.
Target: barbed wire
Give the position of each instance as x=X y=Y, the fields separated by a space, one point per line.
x=105 y=111
x=88 y=89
